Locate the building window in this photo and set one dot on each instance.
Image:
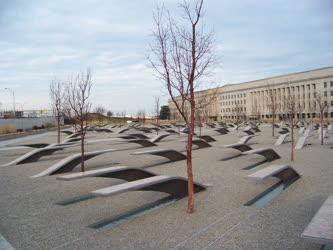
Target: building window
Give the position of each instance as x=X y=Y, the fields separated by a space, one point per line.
x=331 y=83
x=325 y=84
x=325 y=93
x=331 y=92
x=331 y=103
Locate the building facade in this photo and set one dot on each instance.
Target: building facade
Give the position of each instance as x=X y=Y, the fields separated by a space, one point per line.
x=253 y=100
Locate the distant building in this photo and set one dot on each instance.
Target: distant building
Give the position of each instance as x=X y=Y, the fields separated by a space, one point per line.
x=250 y=100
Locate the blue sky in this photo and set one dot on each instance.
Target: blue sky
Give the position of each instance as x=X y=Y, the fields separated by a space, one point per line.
x=41 y=39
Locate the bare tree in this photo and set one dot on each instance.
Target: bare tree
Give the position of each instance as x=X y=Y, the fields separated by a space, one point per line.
x=79 y=93
x=157 y=110
x=273 y=105
x=182 y=55
x=57 y=95
x=321 y=100
x=109 y=114
x=202 y=106
x=100 y=111
x=290 y=105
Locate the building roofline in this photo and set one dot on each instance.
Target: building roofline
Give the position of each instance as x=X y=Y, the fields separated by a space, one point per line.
x=277 y=76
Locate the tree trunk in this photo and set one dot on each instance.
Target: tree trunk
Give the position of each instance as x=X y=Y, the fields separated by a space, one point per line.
x=190 y=187
x=82 y=148
x=321 y=129
x=157 y=120
x=292 y=139
x=58 y=124
x=273 y=125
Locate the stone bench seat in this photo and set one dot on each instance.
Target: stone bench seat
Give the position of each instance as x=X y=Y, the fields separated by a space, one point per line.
x=170 y=154
x=281 y=139
x=69 y=163
x=268 y=153
x=207 y=138
x=239 y=146
x=320 y=229
x=175 y=186
x=119 y=172
x=35 y=155
x=245 y=139
x=270 y=171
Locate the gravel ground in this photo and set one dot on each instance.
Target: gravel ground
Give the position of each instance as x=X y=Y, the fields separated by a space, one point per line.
x=31 y=218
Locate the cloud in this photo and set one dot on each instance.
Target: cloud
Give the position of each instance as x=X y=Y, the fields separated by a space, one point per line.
x=254 y=39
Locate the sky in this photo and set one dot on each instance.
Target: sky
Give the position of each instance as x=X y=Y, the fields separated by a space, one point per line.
x=254 y=39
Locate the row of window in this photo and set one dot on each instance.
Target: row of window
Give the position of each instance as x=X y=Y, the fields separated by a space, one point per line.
x=236 y=102
x=232 y=96
x=325 y=93
x=325 y=84
x=280 y=117
x=239 y=109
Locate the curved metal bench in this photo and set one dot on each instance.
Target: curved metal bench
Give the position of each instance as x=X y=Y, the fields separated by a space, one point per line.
x=268 y=153
x=106 y=130
x=245 y=139
x=170 y=154
x=69 y=163
x=35 y=145
x=207 y=138
x=159 y=138
x=67 y=132
x=301 y=142
x=222 y=131
x=238 y=146
x=175 y=186
x=119 y=172
x=171 y=131
x=249 y=132
x=143 y=142
x=122 y=130
x=139 y=136
x=34 y=155
x=283 y=172
x=281 y=139
x=320 y=229
x=201 y=143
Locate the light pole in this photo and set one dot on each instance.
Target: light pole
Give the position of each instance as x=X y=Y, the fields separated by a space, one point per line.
x=13 y=99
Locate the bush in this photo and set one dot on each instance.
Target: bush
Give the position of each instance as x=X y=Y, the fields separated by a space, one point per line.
x=7 y=129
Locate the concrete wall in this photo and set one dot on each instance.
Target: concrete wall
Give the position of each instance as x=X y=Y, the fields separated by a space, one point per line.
x=27 y=123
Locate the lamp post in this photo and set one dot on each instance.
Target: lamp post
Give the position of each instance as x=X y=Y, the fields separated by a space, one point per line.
x=13 y=99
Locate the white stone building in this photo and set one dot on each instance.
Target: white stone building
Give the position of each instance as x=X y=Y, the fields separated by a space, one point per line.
x=250 y=100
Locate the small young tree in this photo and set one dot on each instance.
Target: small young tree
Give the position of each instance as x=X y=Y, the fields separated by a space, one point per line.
x=57 y=95
x=182 y=54
x=203 y=102
x=78 y=98
x=100 y=111
x=321 y=100
x=157 y=110
x=291 y=110
x=273 y=105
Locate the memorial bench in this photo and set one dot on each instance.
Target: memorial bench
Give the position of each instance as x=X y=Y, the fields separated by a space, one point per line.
x=175 y=186
x=69 y=163
x=34 y=155
x=284 y=172
x=119 y=172
x=170 y=154
x=281 y=139
x=268 y=153
x=320 y=229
